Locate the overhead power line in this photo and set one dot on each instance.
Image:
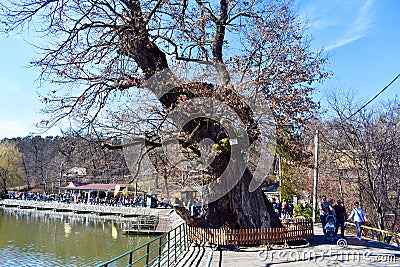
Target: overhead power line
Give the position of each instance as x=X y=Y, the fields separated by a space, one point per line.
x=372 y=99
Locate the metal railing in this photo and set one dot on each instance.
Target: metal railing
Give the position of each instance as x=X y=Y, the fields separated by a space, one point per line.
x=375 y=233
x=164 y=250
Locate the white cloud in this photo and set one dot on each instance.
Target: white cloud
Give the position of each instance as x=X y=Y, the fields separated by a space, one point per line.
x=359 y=28
x=336 y=23
x=343 y=42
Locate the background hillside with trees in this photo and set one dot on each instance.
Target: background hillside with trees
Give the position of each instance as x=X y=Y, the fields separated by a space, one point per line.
x=49 y=162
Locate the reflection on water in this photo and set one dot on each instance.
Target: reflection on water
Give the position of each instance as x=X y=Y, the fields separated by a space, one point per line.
x=114 y=232
x=48 y=238
x=67 y=229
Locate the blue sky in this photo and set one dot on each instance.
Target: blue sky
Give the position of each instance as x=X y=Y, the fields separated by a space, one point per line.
x=362 y=38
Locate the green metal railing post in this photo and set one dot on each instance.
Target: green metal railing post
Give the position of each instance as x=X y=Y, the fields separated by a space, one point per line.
x=187 y=235
x=159 y=252
x=147 y=254
x=163 y=260
x=130 y=258
x=169 y=247
x=184 y=238
x=180 y=238
x=175 y=243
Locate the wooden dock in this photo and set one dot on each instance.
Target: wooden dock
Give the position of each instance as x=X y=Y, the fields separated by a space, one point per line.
x=11 y=205
x=129 y=215
x=82 y=211
x=140 y=218
x=62 y=210
x=44 y=208
x=149 y=225
x=26 y=207
x=107 y=213
x=142 y=232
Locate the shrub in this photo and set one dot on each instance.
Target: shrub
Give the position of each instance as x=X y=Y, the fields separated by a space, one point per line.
x=303 y=211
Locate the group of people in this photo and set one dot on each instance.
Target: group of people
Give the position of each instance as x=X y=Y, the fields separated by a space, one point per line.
x=283 y=209
x=137 y=201
x=339 y=211
x=194 y=207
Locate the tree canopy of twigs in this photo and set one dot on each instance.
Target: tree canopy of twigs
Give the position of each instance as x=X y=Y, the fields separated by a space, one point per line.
x=98 y=55
x=93 y=52
x=362 y=154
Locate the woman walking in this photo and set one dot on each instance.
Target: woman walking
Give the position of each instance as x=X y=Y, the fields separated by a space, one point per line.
x=359 y=218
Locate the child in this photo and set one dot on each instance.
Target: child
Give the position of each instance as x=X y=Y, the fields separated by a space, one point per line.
x=330 y=225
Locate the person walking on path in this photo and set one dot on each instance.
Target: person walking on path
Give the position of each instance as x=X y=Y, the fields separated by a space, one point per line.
x=340 y=212
x=325 y=208
x=359 y=218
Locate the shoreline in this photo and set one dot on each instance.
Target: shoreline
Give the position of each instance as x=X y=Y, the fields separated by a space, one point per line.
x=128 y=214
x=85 y=208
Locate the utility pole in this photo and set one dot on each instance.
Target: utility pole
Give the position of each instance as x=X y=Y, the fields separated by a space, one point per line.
x=165 y=181
x=280 y=178
x=315 y=191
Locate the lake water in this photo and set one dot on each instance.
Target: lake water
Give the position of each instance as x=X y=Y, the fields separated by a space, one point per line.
x=48 y=238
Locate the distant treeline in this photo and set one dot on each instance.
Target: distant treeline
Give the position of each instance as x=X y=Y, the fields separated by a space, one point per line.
x=52 y=161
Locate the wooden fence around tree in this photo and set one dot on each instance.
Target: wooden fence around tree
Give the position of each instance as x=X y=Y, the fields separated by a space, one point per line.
x=294 y=229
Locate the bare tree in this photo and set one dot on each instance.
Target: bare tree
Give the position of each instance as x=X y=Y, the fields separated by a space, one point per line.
x=11 y=171
x=365 y=150
x=103 y=52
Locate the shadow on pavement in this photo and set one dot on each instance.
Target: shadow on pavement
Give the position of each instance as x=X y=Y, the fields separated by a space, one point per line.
x=193 y=257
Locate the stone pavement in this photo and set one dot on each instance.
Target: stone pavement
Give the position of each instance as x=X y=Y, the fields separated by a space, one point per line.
x=319 y=252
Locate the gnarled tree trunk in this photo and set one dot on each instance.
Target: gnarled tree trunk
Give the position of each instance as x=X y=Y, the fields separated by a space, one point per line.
x=238 y=209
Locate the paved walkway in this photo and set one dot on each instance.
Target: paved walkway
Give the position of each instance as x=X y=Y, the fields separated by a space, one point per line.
x=319 y=253
x=85 y=208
